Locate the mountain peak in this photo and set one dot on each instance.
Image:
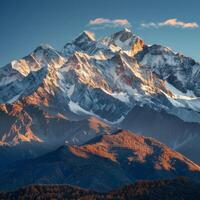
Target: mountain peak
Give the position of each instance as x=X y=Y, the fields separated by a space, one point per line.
x=124 y=40
x=127 y=30
x=89 y=35
x=44 y=46
x=85 y=36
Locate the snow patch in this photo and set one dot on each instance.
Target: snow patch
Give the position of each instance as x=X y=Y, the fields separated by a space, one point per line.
x=75 y=108
x=119 y=95
x=15 y=98
x=70 y=90
x=189 y=95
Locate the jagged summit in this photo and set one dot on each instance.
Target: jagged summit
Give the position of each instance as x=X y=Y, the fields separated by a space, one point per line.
x=124 y=31
x=124 y=40
x=90 y=34
x=85 y=36
x=127 y=30
x=44 y=46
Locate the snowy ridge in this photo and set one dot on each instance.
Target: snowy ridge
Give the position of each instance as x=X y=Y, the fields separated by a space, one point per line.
x=105 y=78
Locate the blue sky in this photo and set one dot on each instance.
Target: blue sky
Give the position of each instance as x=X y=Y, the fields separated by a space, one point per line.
x=24 y=24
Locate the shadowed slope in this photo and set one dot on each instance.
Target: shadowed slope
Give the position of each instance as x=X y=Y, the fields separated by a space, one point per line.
x=144 y=190
x=102 y=164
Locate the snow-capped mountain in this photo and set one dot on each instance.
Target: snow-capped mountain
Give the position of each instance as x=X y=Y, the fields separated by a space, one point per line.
x=105 y=78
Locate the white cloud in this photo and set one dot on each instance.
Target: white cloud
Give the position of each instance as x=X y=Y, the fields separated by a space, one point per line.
x=171 y=22
x=98 y=21
x=112 y=23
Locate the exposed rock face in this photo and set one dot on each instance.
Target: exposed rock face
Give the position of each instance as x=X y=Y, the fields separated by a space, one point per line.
x=28 y=124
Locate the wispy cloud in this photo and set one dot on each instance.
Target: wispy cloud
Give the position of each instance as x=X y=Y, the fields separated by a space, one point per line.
x=170 y=22
x=110 y=23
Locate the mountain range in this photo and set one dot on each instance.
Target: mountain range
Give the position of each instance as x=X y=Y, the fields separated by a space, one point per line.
x=64 y=114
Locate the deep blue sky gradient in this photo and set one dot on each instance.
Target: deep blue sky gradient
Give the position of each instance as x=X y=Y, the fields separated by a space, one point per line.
x=24 y=24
